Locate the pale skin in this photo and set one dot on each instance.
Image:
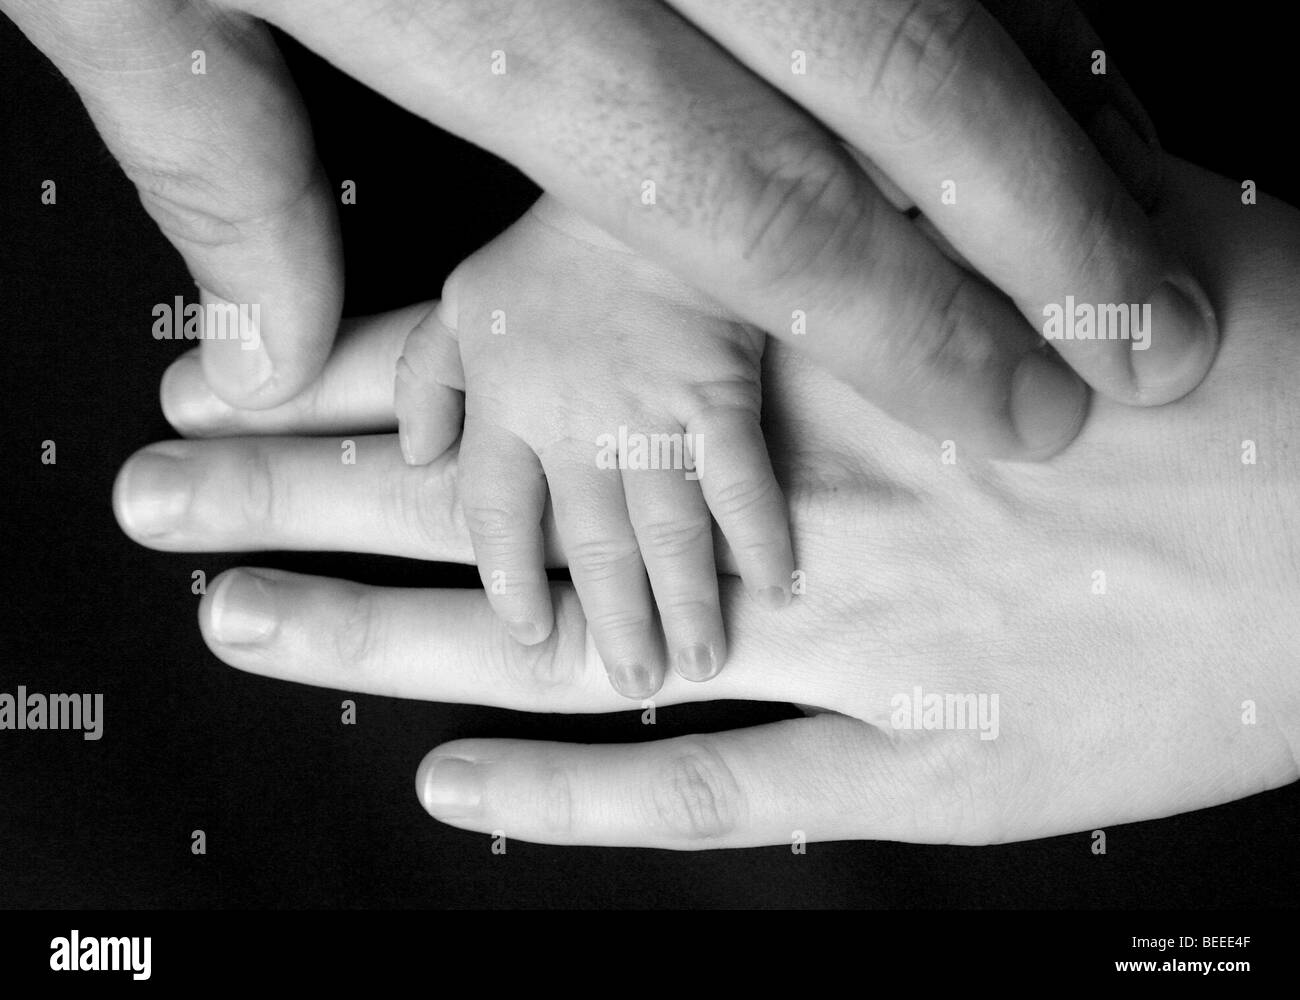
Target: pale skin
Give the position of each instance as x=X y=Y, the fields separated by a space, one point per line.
x=558 y=338
x=972 y=577
x=779 y=137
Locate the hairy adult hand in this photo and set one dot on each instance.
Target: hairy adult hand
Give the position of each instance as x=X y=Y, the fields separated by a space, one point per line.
x=760 y=148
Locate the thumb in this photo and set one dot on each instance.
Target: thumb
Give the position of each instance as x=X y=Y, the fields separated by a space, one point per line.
x=199 y=109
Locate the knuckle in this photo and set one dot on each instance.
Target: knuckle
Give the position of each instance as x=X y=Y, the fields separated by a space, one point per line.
x=600 y=559
x=429 y=508
x=1101 y=244
x=745 y=496
x=949 y=338
x=722 y=401
x=671 y=539
x=540 y=669
x=799 y=203
x=354 y=636
x=263 y=499
x=694 y=795
x=555 y=804
x=693 y=608
x=492 y=524
x=202 y=200
x=923 y=44
x=619 y=625
x=184 y=204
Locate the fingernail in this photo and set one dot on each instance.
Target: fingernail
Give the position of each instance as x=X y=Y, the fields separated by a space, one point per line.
x=527 y=633
x=697 y=663
x=452 y=787
x=243 y=610
x=1135 y=159
x=1048 y=403
x=1183 y=337
x=635 y=680
x=773 y=597
x=154 y=494
x=414 y=434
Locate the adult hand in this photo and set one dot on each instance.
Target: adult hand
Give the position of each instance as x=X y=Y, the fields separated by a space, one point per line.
x=1131 y=603
x=706 y=134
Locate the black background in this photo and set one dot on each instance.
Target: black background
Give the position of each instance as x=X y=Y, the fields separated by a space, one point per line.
x=300 y=811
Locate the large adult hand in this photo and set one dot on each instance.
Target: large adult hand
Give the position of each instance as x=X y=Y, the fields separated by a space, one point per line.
x=732 y=113
x=1164 y=684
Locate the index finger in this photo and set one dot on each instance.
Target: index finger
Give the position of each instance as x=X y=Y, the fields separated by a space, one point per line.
x=631 y=114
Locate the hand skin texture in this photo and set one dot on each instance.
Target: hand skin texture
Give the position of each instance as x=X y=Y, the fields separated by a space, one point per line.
x=965 y=578
x=757 y=148
x=561 y=342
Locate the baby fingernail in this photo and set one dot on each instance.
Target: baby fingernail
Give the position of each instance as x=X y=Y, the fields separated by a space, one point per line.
x=414 y=434
x=452 y=786
x=1048 y=403
x=526 y=633
x=635 y=680
x=697 y=663
x=243 y=610
x=154 y=494
x=773 y=597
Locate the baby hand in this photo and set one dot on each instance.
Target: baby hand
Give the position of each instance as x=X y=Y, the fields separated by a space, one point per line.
x=588 y=369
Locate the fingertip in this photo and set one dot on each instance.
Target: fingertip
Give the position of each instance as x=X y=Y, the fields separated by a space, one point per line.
x=529 y=632
x=637 y=681
x=236 y=347
x=152 y=493
x=210 y=605
x=698 y=663
x=422 y=773
x=236 y=363
x=413 y=432
x=241 y=609
x=188 y=402
x=1047 y=406
x=429 y=415
x=449 y=783
x=243 y=378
